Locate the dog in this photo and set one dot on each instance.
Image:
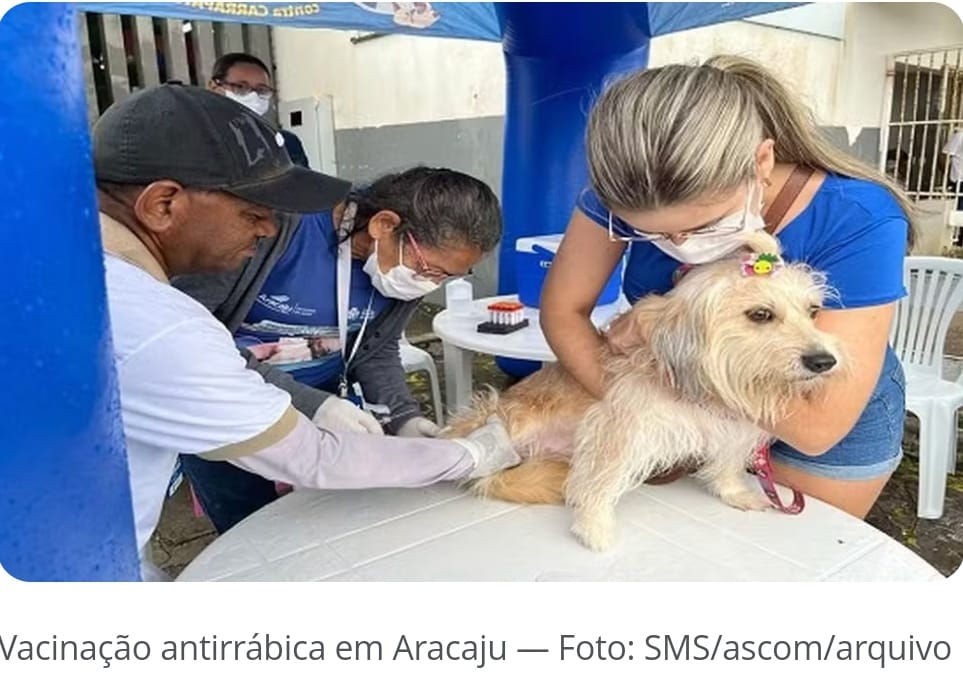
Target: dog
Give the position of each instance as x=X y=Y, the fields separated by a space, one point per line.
x=689 y=378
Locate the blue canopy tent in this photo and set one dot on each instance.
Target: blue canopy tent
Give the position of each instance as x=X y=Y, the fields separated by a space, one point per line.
x=65 y=511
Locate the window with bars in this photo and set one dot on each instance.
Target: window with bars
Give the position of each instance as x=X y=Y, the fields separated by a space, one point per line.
x=926 y=112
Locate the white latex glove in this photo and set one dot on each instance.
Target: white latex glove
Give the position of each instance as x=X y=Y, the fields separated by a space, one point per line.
x=419 y=427
x=491 y=448
x=342 y=416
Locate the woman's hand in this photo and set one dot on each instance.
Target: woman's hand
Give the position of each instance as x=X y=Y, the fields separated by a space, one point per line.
x=579 y=272
x=418 y=427
x=341 y=416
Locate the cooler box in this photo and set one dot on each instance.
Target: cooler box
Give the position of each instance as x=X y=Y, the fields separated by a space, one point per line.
x=533 y=257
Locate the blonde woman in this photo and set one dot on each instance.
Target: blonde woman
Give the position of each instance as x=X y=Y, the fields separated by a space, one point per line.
x=682 y=158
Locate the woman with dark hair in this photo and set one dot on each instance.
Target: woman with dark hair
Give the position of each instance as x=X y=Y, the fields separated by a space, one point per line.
x=320 y=310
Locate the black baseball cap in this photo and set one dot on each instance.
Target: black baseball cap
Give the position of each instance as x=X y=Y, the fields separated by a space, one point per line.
x=205 y=140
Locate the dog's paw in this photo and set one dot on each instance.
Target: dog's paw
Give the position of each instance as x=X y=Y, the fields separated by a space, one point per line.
x=746 y=500
x=596 y=533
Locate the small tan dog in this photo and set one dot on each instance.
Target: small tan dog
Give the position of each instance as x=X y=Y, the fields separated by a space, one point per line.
x=689 y=378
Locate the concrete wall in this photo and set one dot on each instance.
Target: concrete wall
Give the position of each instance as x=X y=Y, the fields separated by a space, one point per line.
x=807 y=62
x=473 y=146
x=392 y=79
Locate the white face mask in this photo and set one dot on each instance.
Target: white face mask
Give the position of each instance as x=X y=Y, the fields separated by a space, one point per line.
x=724 y=237
x=400 y=282
x=254 y=102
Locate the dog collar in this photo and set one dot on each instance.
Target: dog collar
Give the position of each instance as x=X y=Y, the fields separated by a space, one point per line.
x=762 y=468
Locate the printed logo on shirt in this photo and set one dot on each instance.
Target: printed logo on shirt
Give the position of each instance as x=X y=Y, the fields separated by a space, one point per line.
x=356 y=314
x=281 y=303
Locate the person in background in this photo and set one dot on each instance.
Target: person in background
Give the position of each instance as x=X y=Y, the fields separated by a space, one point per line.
x=338 y=356
x=245 y=78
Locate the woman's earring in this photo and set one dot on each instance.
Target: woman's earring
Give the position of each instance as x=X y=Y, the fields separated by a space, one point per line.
x=766 y=182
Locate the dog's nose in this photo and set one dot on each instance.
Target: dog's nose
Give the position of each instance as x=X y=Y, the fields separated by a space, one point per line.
x=818 y=362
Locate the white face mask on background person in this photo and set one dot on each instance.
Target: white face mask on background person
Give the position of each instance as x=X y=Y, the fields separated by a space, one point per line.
x=718 y=240
x=400 y=282
x=254 y=102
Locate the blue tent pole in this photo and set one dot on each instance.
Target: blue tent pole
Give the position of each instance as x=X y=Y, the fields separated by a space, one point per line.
x=556 y=65
x=65 y=508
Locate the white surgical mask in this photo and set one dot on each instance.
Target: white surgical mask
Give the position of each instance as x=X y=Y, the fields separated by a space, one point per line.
x=254 y=102
x=400 y=282
x=722 y=238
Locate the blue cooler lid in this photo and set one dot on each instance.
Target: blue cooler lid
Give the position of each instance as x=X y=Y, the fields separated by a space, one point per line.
x=550 y=241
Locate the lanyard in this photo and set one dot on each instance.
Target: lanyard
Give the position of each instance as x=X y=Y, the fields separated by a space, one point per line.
x=344 y=296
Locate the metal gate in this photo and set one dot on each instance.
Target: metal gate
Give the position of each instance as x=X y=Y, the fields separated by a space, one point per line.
x=123 y=53
x=922 y=141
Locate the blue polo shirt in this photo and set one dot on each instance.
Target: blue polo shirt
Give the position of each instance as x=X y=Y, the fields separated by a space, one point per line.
x=299 y=302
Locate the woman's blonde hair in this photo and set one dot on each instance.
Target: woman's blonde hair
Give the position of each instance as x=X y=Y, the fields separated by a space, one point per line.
x=667 y=135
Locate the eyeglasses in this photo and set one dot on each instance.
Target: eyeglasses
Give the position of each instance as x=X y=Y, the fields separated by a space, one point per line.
x=425 y=270
x=243 y=89
x=638 y=236
x=726 y=226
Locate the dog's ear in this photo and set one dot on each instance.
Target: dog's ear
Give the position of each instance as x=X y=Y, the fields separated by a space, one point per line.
x=677 y=344
x=633 y=328
x=761 y=242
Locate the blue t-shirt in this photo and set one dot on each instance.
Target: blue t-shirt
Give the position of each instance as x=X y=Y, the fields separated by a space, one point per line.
x=294 y=320
x=852 y=230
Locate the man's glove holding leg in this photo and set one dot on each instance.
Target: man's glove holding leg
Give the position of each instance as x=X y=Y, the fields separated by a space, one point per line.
x=491 y=449
x=418 y=427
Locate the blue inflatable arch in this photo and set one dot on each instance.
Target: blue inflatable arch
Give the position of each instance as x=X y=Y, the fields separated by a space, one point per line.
x=65 y=509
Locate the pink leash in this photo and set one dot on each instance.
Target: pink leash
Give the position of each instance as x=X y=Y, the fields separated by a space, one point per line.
x=762 y=468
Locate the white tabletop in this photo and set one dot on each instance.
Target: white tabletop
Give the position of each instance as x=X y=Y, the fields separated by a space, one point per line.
x=673 y=532
x=525 y=344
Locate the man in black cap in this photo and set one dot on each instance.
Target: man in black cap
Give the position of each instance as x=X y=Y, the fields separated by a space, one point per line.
x=189 y=181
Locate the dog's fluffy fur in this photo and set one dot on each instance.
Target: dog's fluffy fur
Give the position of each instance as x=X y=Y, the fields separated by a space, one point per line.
x=689 y=378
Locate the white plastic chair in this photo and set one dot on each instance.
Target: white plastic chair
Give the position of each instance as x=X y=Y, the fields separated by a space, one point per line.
x=417 y=360
x=935 y=287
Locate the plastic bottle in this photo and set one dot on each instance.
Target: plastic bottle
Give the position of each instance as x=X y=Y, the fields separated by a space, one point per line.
x=459 y=295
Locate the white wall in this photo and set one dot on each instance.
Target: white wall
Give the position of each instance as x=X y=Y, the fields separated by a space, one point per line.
x=395 y=79
x=807 y=62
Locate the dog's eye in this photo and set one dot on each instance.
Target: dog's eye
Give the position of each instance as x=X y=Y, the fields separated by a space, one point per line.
x=814 y=311
x=759 y=315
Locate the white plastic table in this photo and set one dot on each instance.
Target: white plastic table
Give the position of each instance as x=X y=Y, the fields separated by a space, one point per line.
x=673 y=532
x=460 y=339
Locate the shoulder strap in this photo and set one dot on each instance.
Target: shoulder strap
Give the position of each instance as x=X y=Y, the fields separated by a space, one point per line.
x=787 y=195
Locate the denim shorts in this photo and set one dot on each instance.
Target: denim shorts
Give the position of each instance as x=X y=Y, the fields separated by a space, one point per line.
x=874 y=447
